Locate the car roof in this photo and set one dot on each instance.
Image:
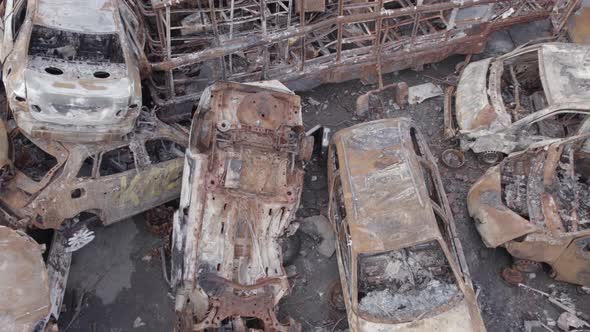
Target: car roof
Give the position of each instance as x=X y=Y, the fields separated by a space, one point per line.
x=387 y=202
x=87 y=16
x=565 y=72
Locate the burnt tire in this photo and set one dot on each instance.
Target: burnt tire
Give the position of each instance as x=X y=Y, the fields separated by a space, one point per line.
x=290 y=247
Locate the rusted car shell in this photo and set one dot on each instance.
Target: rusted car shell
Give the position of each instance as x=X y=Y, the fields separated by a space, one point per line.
x=47 y=203
x=389 y=207
x=242 y=183
x=565 y=251
x=482 y=120
x=24 y=300
x=71 y=99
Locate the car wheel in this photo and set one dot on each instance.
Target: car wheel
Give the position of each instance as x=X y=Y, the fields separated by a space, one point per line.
x=490 y=157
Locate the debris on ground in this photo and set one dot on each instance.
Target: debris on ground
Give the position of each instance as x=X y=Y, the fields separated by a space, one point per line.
x=320 y=229
x=419 y=93
x=568 y=320
x=376 y=103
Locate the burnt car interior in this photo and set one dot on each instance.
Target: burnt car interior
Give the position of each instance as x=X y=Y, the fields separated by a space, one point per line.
x=75 y=46
x=522 y=93
x=406 y=284
x=523 y=186
x=29 y=158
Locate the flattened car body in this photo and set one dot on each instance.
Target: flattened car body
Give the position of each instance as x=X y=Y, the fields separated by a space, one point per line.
x=533 y=93
x=242 y=182
x=396 y=234
x=535 y=204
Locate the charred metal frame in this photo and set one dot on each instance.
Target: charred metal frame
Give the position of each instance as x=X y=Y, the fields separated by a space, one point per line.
x=248 y=40
x=242 y=183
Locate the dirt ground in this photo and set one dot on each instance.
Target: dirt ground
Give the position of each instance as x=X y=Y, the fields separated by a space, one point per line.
x=119 y=276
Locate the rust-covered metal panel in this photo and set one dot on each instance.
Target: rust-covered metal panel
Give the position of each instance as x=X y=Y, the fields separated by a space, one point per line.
x=193 y=44
x=242 y=182
x=394 y=227
x=535 y=205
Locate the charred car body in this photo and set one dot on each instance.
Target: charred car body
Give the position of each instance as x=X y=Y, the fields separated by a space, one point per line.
x=506 y=103
x=56 y=181
x=535 y=204
x=307 y=43
x=401 y=263
x=242 y=182
x=71 y=68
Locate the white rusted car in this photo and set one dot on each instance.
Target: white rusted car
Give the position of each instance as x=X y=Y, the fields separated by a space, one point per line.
x=71 y=67
x=401 y=263
x=243 y=177
x=504 y=104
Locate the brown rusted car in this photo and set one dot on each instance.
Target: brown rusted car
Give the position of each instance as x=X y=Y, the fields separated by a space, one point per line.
x=536 y=204
x=504 y=104
x=401 y=263
x=54 y=182
x=242 y=182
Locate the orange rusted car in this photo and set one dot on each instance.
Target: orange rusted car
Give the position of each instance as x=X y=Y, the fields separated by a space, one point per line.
x=536 y=204
x=401 y=263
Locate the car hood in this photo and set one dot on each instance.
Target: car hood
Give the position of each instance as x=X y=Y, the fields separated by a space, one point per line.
x=76 y=97
x=456 y=319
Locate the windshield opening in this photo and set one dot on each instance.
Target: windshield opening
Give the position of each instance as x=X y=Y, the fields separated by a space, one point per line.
x=73 y=46
x=406 y=284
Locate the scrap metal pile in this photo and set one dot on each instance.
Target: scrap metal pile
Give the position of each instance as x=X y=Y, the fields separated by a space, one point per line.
x=81 y=147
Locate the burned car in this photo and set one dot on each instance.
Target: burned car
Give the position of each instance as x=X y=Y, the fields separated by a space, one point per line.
x=242 y=181
x=536 y=204
x=401 y=263
x=56 y=182
x=24 y=303
x=71 y=68
x=504 y=104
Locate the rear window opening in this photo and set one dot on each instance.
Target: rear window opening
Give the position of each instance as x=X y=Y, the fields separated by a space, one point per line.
x=73 y=46
x=30 y=159
x=522 y=91
x=407 y=284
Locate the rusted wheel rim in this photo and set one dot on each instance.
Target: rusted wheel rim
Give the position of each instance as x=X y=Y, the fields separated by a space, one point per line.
x=453 y=158
x=335 y=297
x=512 y=276
x=489 y=157
x=526 y=266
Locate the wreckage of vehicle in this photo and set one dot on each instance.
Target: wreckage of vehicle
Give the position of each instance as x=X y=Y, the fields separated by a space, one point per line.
x=58 y=183
x=33 y=289
x=71 y=68
x=536 y=204
x=401 y=263
x=504 y=104
x=242 y=182
x=195 y=43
